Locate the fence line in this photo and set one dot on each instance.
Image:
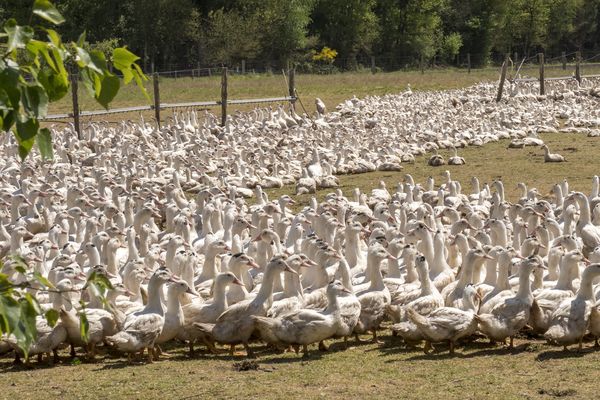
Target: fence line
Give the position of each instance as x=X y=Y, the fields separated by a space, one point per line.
x=157 y=106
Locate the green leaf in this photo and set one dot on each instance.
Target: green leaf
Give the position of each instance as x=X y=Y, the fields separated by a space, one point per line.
x=84 y=326
x=51 y=316
x=36 y=275
x=100 y=280
x=25 y=135
x=6 y=285
x=54 y=37
x=98 y=60
x=19 y=263
x=9 y=313
x=18 y=36
x=44 y=143
x=81 y=39
x=34 y=100
x=123 y=58
x=108 y=91
x=20 y=269
x=26 y=330
x=93 y=60
x=45 y=10
x=56 y=88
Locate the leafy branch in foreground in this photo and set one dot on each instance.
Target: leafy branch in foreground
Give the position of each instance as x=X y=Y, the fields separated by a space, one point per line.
x=33 y=73
x=19 y=309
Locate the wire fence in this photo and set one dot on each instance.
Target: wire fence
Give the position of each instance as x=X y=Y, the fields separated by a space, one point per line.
x=572 y=65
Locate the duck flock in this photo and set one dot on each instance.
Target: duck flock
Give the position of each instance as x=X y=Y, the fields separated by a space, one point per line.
x=178 y=221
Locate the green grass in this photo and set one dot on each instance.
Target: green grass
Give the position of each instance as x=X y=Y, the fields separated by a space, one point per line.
x=332 y=89
x=388 y=370
x=490 y=162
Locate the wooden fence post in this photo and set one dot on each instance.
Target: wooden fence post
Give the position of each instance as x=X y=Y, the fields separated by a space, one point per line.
x=469 y=63
x=542 y=83
x=373 y=70
x=224 y=96
x=563 y=58
x=74 y=88
x=292 y=84
x=156 y=99
x=422 y=64
x=243 y=67
x=502 y=78
x=578 y=66
x=516 y=57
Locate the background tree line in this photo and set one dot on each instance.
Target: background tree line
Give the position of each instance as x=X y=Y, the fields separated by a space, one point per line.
x=269 y=33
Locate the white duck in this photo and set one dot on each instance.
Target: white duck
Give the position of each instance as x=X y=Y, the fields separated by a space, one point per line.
x=304 y=326
x=448 y=323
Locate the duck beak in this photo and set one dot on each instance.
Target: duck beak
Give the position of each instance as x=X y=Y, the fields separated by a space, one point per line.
x=488 y=257
x=256 y=239
x=391 y=257
x=192 y=292
x=236 y=281
x=346 y=290
x=292 y=201
x=586 y=261
x=250 y=226
x=288 y=269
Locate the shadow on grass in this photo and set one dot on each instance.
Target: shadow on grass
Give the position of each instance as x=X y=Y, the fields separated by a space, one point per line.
x=559 y=354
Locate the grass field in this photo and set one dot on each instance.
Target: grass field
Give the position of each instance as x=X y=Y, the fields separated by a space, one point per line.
x=490 y=162
x=531 y=371
x=332 y=89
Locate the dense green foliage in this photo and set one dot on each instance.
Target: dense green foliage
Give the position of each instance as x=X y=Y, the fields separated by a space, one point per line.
x=170 y=34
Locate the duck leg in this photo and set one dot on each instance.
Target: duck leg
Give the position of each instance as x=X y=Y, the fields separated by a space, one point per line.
x=232 y=350
x=346 y=342
x=452 y=347
x=358 y=341
x=249 y=352
x=39 y=358
x=323 y=346
x=191 y=345
x=427 y=348
x=72 y=352
x=56 y=357
x=304 y=351
x=296 y=348
x=580 y=347
x=49 y=360
x=596 y=344
x=150 y=351
x=511 y=343
x=91 y=351
x=375 y=340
